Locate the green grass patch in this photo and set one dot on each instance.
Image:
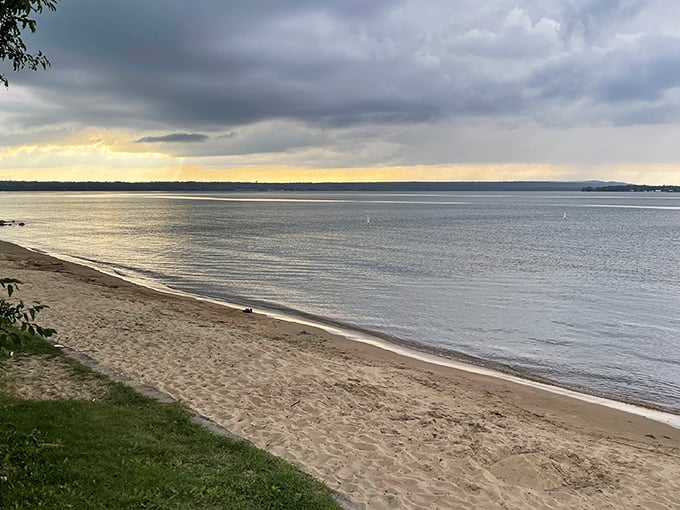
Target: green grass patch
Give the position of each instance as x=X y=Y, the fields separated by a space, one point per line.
x=129 y=451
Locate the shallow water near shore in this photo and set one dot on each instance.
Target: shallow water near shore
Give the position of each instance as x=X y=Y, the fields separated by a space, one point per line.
x=582 y=289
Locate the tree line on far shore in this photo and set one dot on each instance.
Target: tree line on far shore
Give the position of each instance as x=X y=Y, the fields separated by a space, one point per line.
x=187 y=186
x=666 y=188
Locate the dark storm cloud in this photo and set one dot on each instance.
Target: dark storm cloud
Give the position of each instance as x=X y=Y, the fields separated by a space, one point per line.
x=645 y=74
x=167 y=63
x=211 y=66
x=175 y=138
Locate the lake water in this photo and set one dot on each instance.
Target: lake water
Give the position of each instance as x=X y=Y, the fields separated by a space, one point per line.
x=579 y=288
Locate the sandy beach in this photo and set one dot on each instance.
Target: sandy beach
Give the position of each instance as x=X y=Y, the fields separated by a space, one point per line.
x=384 y=430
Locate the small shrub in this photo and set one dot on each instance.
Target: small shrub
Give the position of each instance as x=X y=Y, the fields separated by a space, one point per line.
x=17 y=320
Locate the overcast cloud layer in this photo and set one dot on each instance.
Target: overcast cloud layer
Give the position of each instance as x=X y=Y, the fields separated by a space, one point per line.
x=359 y=83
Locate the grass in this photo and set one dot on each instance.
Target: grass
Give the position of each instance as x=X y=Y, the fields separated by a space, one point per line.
x=126 y=450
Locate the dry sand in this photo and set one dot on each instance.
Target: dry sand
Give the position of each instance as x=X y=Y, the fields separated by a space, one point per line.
x=386 y=431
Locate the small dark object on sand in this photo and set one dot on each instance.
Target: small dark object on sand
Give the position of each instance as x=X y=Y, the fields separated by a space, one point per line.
x=247 y=310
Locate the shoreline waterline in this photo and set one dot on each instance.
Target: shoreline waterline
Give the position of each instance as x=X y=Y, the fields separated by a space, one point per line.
x=396 y=346
x=587 y=303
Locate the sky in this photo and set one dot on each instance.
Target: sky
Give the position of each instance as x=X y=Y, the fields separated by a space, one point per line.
x=352 y=90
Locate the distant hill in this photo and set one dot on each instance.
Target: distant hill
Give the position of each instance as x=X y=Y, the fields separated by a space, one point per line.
x=634 y=187
x=301 y=186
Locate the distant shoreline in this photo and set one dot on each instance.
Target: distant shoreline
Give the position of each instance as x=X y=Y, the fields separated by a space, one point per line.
x=196 y=186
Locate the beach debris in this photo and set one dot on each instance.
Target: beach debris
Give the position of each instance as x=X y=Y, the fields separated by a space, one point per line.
x=11 y=223
x=294 y=403
x=247 y=310
x=58 y=346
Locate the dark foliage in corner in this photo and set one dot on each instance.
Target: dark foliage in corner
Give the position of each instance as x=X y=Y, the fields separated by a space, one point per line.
x=15 y=17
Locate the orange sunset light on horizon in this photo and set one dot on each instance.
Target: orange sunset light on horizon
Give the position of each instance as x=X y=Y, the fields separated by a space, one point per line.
x=125 y=162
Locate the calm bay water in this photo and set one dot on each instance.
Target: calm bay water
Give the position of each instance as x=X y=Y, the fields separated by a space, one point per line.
x=579 y=288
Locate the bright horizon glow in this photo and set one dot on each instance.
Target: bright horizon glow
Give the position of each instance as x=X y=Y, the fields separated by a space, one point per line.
x=113 y=156
x=118 y=161
x=453 y=173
